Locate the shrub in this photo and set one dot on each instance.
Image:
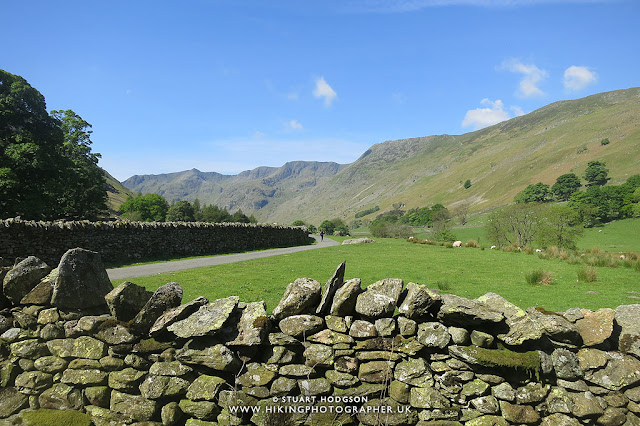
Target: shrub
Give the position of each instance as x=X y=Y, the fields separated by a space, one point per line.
x=539 y=277
x=587 y=275
x=383 y=229
x=605 y=141
x=472 y=243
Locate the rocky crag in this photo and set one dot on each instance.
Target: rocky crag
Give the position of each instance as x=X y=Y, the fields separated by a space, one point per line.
x=389 y=354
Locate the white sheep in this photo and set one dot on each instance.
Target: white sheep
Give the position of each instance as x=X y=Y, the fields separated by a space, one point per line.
x=457 y=244
x=493 y=247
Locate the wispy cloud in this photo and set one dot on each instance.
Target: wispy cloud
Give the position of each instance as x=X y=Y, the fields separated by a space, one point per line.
x=293 y=125
x=323 y=90
x=577 y=78
x=398 y=6
x=483 y=117
x=532 y=76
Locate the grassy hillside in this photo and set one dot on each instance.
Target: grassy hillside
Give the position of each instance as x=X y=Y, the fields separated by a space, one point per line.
x=500 y=160
x=116 y=192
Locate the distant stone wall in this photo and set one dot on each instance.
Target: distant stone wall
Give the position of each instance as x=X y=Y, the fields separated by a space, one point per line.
x=337 y=355
x=138 y=240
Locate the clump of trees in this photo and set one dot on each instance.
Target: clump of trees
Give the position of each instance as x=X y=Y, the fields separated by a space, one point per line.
x=367 y=212
x=47 y=168
x=598 y=203
x=334 y=225
x=154 y=208
x=523 y=225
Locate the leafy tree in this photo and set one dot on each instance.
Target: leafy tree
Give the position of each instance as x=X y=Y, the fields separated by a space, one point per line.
x=327 y=226
x=181 y=211
x=596 y=173
x=240 y=217
x=214 y=214
x=382 y=229
x=467 y=184
x=83 y=192
x=560 y=227
x=334 y=225
x=47 y=170
x=298 y=223
x=535 y=193
x=461 y=211
x=605 y=141
x=565 y=186
x=197 y=209
x=633 y=181
x=147 y=208
x=517 y=224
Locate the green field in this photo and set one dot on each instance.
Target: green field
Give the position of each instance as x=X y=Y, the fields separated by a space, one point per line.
x=468 y=272
x=618 y=236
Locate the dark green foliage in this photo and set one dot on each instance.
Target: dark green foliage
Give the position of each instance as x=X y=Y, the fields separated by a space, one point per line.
x=467 y=184
x=240 y=217
x=605 y=141
x=535 y=193
x=311 y=228
x=601 y=204
x=47 y=170
x=214 y=214
x=83 y=194
x=334 y=225
x=367 y=211
x=423 y=216
x=181 y=211
x=596 y=173
x=445 y=235
x=565 y=186
x=145 y=208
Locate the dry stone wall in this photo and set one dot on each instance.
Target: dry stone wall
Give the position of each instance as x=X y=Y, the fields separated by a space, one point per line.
x=117 y=241
x=390 y=354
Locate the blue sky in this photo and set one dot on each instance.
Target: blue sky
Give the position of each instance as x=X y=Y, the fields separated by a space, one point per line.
x=229 y=85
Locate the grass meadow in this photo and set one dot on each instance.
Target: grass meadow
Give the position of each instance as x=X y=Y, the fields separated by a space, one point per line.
x=468 y=272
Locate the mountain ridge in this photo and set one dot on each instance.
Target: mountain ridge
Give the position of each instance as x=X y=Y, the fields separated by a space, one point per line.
x=500 y=160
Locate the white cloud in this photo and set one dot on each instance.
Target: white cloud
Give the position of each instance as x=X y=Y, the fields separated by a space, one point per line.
x=577 y=78
x=293 y=125
x=517 y=111
x=532 y=77
x=323 y=90
x=483 y=117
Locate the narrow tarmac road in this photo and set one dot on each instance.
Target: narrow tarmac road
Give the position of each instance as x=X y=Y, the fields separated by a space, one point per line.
x=180 y=265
